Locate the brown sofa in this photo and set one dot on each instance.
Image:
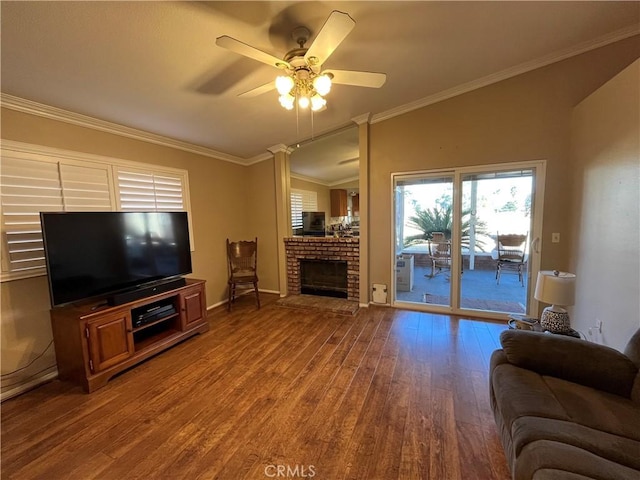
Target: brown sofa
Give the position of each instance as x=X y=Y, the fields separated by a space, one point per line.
x=567 y=409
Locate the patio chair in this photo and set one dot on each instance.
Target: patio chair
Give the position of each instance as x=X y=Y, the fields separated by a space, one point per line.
x=511 y=255
x=439 y=253
x=242 y=260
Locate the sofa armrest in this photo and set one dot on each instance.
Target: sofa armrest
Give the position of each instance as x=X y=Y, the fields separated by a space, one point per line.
x=570 y=359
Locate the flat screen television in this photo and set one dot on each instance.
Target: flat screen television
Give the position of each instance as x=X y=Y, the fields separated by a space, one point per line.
x=313 y=224
x=91 y=254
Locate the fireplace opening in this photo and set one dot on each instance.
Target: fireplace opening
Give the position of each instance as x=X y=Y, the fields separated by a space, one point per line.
x=327 y=278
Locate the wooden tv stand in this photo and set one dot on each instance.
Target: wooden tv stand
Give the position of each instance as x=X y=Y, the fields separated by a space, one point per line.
x=94 y=342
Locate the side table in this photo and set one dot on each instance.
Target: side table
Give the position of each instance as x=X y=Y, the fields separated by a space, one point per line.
x=520 y=322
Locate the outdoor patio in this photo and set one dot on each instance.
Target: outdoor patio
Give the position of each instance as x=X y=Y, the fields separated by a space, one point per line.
x=479 y=290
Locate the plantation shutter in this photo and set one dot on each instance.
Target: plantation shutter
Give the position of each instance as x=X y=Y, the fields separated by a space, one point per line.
x=302 y=201
x=31 y=186
x=28 y=187
x=86 y=188
x=140 y=190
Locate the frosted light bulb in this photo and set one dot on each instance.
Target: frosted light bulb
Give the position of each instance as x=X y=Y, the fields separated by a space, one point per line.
x=322 y=84
x=303 y=102
x=287 y=101
x=317 y=102
x=284 y=84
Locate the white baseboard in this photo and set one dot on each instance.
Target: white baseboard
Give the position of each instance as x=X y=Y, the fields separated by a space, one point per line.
x=245 y=292
x=23 y=387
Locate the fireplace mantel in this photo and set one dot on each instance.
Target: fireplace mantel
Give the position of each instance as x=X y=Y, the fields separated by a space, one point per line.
x=323 y=248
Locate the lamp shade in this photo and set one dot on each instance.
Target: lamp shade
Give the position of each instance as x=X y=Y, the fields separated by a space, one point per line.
x=556 y=288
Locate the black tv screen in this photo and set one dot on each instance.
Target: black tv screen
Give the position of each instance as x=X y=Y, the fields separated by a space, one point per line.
x=91 y=254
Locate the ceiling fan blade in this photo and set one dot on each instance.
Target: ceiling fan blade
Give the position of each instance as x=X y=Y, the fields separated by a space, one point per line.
x=358 y=79
x=334 y=30
x=248 y=51
x=254 y=92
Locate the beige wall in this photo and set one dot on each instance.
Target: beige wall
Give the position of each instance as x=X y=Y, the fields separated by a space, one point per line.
x=523 y=118
x=605 y=215
x=224 y=204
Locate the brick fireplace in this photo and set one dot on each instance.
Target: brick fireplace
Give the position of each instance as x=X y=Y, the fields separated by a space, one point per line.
x=328 y=249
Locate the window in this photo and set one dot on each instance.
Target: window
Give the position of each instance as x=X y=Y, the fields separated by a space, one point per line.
x=145 y=190
x=302 y=201
x=40 y=179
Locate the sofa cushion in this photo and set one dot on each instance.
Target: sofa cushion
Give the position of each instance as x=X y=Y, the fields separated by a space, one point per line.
x=521 y=393
x=550 y=455
x=616 y=448
x=596 y=409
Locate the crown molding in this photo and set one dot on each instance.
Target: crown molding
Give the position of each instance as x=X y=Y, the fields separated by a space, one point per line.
x=344 y=180
x=510 y=72
x=304 y=178
x=362 y=119
x=280 y=147
x=259 y=158
x=54 y=113
x=322 y=182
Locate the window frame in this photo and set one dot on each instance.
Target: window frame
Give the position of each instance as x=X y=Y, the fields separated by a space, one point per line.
x=66 y=158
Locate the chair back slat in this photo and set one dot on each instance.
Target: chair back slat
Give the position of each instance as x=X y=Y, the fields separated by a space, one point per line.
x=242 y=257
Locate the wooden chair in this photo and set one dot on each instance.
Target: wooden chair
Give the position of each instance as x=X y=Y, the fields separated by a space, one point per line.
x=242 y=260
x=511 y=255
x=439 y=253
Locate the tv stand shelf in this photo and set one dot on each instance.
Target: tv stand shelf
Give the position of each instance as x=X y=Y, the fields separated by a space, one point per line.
x=156 y=322
x=94 y=342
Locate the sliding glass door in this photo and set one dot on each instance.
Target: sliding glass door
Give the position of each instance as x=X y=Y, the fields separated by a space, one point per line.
x=423 y=206
x=467 y=239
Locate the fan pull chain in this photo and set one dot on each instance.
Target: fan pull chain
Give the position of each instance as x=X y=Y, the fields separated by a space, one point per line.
x=297 y=118
x=311 y=111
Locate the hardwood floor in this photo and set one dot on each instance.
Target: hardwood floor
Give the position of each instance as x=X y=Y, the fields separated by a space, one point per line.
x=277 y=393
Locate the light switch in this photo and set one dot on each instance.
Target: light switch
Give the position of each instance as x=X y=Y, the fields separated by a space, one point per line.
x=555 y=238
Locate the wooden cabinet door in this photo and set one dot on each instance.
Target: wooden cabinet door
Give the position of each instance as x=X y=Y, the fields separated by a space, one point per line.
x=338 y=202
x=355 y=205
x=192 y=304
x=110 y=340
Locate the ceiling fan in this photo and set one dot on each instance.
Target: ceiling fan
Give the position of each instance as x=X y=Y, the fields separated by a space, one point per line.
x=304 y=81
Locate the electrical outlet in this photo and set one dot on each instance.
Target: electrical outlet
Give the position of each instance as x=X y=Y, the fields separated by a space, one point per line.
x=555 y=237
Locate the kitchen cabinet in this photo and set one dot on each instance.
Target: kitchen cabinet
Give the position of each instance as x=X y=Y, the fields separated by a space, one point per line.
x=338 y=202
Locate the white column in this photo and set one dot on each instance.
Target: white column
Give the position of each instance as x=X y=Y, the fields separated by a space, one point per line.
x=283 y=209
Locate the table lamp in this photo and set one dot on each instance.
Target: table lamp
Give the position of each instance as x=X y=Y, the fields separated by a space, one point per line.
x=558 y=289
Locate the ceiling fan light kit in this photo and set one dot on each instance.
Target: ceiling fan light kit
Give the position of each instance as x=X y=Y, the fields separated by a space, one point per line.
x=304 y=82
x=305 y=86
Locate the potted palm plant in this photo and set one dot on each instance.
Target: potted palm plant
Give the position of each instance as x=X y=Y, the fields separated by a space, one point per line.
x=440 y=219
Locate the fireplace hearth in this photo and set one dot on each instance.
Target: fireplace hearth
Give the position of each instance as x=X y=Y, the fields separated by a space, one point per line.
x=326 y=278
